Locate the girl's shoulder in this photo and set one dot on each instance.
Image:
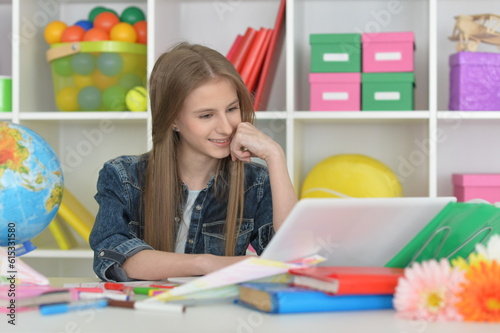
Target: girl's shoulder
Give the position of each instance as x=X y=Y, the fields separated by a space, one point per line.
x=128 y=160
x=127 y=165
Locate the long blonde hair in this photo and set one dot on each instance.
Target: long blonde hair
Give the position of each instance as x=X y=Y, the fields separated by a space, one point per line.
x=175 y=75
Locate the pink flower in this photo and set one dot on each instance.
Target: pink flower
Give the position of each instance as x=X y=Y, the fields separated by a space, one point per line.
x=428 y=292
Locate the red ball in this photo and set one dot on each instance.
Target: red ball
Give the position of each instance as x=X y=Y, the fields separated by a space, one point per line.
x=73 y=33
x=95 y=34
x=106 y=21
x=141 y=28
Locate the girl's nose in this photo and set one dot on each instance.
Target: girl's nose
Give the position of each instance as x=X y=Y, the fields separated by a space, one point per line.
x=225 y=126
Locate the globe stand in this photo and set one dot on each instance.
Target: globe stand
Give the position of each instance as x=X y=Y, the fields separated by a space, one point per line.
x=25 y=247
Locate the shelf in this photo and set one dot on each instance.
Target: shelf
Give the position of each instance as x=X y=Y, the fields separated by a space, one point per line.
x=56 y=115
x=6 y=116
x=56 y=253
x=468 y=115
x=361 y=115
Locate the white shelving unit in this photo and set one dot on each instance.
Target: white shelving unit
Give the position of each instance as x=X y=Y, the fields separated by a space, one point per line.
x=423 y=147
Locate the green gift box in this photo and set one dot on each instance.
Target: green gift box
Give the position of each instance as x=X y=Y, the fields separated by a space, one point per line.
x=387 y=91
x=332 y=53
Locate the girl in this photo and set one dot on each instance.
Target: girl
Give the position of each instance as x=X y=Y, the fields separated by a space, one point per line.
x=195 y=202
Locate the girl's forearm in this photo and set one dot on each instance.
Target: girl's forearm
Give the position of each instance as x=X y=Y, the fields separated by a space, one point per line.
x=284 y=196
x=158 y=265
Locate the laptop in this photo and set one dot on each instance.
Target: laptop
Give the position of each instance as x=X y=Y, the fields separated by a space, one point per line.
x=353 y=231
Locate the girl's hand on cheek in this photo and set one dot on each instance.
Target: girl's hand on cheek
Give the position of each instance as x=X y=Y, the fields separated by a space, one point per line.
x=248 y=141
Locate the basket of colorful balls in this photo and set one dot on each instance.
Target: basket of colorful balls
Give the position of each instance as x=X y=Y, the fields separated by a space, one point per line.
x=99 y=64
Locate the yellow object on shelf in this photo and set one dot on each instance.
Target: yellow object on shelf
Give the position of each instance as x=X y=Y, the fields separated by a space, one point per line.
x=76 y=215
x=64 y=239
x=351 y=175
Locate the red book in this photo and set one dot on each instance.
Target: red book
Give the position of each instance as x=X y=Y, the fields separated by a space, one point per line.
x=253 y=54
x=241 y=52
x=257 y=68
x=348 y=280
x=262 y=83
x=234 y=47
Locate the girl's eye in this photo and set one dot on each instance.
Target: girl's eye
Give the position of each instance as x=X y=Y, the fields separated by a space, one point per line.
x=232 y=109
x=206 y=116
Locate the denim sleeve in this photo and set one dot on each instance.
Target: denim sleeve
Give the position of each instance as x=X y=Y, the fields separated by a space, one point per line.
x=263 y=217
x=110 y=238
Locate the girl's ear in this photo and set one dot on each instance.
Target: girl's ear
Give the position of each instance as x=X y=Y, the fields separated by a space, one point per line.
x=174 y=127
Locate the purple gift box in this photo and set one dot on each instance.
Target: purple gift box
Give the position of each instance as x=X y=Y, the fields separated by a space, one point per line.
x=474 y=81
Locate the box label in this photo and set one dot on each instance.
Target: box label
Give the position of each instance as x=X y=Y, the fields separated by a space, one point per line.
x=388 y=96
x=388 y=56
x=335 y=96
x=328 y=57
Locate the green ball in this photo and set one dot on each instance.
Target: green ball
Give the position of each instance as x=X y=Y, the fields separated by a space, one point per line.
x=62 y=66
x=89 y=99
x=132 y=14
x=96 y=11
x=83 y=63
x=113 y=98
x=110 y=64
x=130 y=80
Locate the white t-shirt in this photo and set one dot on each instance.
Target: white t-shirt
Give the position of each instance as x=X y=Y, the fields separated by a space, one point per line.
x=186 y=220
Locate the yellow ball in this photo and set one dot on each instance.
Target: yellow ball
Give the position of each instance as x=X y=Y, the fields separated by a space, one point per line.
x=82 y=81
x=123 y=32
x=351 y=175
x=67 y=99
x=53 y=32
x=137 y=99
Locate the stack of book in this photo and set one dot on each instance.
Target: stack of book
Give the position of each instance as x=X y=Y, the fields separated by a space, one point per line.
x=253 y=55
x=324 y=288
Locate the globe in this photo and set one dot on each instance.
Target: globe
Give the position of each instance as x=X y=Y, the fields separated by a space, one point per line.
x=31 y=185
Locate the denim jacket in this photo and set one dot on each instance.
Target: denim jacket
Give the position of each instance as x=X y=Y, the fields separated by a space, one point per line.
x=118 y=229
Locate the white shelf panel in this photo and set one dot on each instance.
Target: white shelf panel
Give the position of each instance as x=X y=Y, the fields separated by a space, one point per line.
x=363 y=115
x=83 y=115
x=6 y=116
x=56 y=253
x=468 y=115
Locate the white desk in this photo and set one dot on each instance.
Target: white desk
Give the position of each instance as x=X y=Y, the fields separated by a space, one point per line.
x=225 y=317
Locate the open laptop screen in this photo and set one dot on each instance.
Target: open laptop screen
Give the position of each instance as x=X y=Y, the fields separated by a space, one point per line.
x=354 y=231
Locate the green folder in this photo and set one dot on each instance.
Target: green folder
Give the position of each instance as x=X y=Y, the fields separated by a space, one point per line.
x=454 y=232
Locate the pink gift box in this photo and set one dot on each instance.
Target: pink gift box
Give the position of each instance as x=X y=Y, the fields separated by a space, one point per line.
x=388 y=52
x=476 y=186
x=335 y=91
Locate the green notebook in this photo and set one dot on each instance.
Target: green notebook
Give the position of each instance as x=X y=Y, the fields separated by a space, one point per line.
x=454 y=232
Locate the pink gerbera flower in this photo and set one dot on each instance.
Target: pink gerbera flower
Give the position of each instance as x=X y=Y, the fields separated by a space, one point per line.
x=428 y=291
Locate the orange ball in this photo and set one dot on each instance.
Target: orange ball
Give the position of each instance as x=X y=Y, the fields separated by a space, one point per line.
x=141 y=28
x=106 y=21
x=95 y=34
x=53 y=32
x=73 y=33
x=123 y=32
